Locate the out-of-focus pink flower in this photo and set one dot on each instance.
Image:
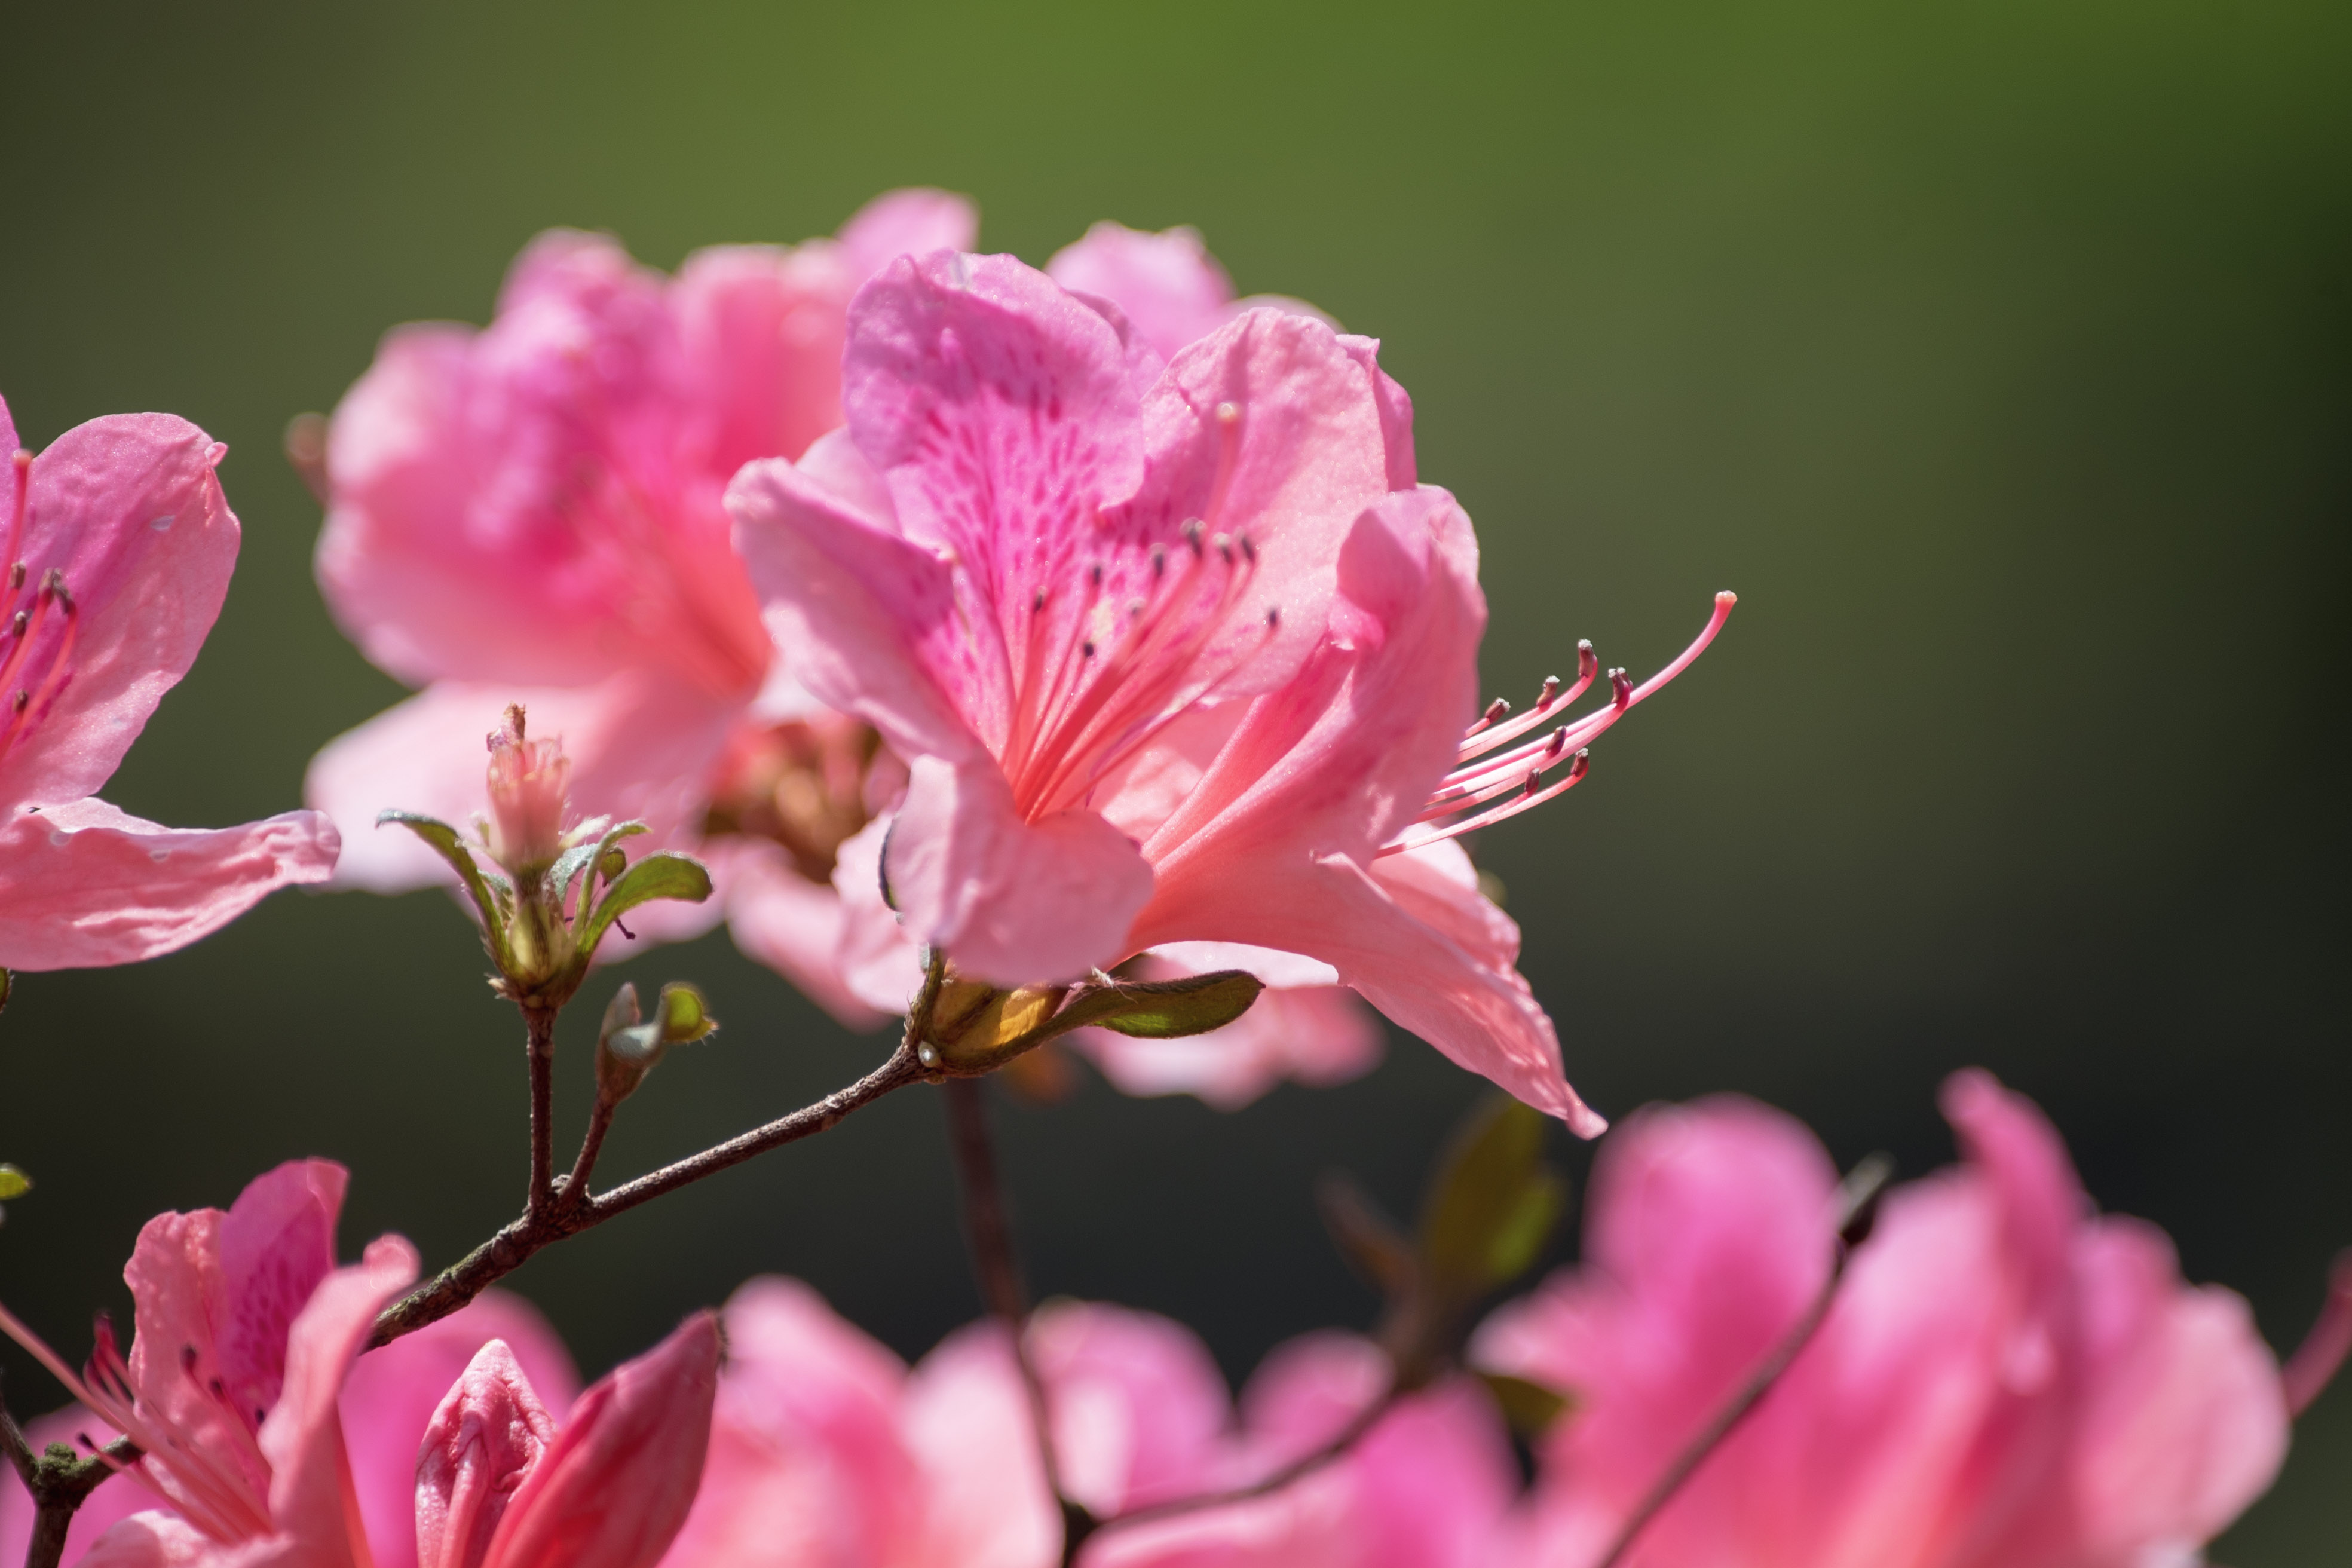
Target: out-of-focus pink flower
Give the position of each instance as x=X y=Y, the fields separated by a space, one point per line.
x=2006 y=1380
x=531 y=512
x=217 y=1296
x=827 y=1452
x=1175 y=652
x=118 y=550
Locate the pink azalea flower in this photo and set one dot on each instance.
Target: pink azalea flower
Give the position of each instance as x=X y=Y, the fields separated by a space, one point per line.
x=244 y=1377
x=2006 y=1380
x=826 y=1451
x=119 y=546
x=531 y=513
x=227 y=1288
x=1176 y=653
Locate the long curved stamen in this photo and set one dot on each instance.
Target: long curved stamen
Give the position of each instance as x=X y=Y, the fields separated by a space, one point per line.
x=1516 y=777
x=16 y=513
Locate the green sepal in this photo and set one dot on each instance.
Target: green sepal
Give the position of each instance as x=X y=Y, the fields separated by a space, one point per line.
x=443 y=840
x=1494 y=1204
x=664 y=874
x=684 y=1017
x=1530 y=1408
x=1162 y=1009
x=599 y=854
x=13 y=1182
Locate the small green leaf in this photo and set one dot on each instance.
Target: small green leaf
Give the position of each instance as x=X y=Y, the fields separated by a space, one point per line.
x=599 y=854
x=685 y=1017
x=1493 y=1204
x=1162 y=1009
x=444 y=841
x=1529 y=1408
x=663 y=874
x=13 y=1182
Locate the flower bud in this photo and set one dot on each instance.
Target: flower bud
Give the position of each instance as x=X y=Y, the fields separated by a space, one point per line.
x=530 y=788
x=629 y=1044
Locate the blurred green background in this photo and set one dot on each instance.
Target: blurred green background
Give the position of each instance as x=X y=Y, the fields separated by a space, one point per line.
x=1997 y=354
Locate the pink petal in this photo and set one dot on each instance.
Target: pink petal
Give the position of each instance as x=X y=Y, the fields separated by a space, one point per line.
x=968 y=1423
x=391 y=1393
x=528 y=504
x=880 y=961
x=485 y=1441
x=127 y=511
x=1167 y=284
x=865 y=619
x=616 y=1486
x=641 y=748
x=792 y=925
x=806 y=1466
x=83 y=885
x=165 y=1540
x=762 y=329
x=2186 y=1422
x=1012 y=902
x=1140 y=1411
x=310 y=1491
x=912 y=222
x=215 y=1295
x=1001 y=413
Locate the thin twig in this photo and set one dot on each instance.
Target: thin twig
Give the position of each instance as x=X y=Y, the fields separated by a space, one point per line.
x=539 y=1025
x=995 y=1264
x=508 y=1250
x=573 y=1191
x=1856 y=1196
x=1306 y=1465
x=12 y=1441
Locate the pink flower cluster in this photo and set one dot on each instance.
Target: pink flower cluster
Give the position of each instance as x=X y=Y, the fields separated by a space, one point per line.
x=268 y=1438
x=2005 y=1378
x=1110 y=602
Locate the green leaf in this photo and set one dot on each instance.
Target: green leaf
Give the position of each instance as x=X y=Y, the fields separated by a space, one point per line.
x=444 y=841
x=1493 y=1204
x=1529 y=1408
x=1161 y=1009
x=599 y=854
x=685 y=1016
x=663 y=874
x=13 y=1182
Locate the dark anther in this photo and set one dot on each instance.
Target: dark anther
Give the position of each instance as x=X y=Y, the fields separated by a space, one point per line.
x=16 y=575
x=1037 y=600
x=1621 y=688
x=1534 y=779
x=1494 y=709
x=1159 y=561
x=1550 y=689
x=1087 y=648
x=1095 y=575
x=1249 y=550
x=1273 y=616
x=18 y=624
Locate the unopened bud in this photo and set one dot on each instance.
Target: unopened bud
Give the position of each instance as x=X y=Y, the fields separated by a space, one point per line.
x=630 y=1044
x=530 y=788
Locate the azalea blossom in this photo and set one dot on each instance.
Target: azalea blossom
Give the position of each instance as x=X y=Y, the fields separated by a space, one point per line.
x=531 y=513
x=828 y=1452
x=227 y=1285
x=2005 y=1379
x=119 y=546
x=243 y=1376
x=1175 y=652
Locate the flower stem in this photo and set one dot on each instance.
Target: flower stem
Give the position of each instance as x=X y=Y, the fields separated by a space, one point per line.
x=540 y=1025
x=996 y=1265
x=547 y=1221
